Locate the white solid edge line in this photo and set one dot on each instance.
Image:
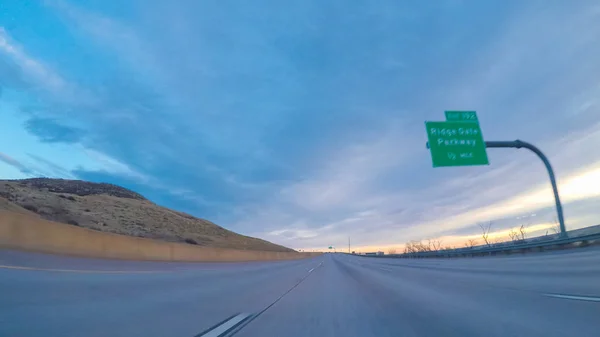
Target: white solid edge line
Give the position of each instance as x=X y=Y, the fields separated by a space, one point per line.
x=216 y=332
x=571 y=297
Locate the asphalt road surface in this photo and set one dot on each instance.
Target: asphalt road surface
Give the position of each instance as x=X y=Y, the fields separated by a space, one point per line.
x=549 y=294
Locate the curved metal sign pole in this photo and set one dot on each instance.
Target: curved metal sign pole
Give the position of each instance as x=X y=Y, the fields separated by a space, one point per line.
x=521 y=144
x=517 y=144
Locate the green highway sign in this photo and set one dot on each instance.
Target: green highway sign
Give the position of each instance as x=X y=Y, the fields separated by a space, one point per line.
x=461 y=116
x=456 y=144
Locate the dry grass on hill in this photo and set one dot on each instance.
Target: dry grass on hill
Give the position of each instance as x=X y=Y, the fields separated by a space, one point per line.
x=110 y=208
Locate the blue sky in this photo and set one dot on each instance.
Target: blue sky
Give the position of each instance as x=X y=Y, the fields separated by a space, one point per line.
x=301 y=122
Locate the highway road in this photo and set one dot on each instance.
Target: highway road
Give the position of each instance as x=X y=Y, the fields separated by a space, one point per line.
x=544 y=294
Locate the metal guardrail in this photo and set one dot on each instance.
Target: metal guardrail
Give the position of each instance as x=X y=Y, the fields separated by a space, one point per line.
x=492 y=250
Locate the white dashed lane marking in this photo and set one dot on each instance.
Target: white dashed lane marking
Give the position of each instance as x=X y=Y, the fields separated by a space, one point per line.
x=224 y=327
x=574 y=297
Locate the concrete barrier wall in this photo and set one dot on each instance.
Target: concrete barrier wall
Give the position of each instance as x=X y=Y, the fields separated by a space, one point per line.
x=27 y=232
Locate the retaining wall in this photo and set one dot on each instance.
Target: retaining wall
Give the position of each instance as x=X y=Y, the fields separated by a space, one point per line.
x=31 y=233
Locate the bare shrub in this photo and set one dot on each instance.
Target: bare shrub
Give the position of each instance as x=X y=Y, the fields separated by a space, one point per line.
x=435 y=244
x=514 y=235
x=522 y=232
x=191 y=241
x=485 y=229
x=30 y=207
x=70 y=197
x=471 y=243
x=556 y=227
x=416 y=246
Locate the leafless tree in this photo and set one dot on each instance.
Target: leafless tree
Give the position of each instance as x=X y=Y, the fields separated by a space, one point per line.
x=423 y=247
x=485 y=229
x=436 y=244
x=556 y=227
x=522 y=232
x=514 y=235
x=409 y=247
x=449 y=248
x=392 y=251
x=419 y=246
x=471 y=243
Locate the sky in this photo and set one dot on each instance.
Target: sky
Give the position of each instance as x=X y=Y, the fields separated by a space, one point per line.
x=302 y=122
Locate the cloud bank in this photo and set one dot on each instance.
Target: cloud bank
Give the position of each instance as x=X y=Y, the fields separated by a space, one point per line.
x=303 y=124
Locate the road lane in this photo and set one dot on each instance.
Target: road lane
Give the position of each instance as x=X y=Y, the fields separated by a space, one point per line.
x=184 y=301
x=358 y=296
x=549 y=294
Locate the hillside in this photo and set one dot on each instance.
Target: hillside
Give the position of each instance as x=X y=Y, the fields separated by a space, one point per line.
x=114 y=209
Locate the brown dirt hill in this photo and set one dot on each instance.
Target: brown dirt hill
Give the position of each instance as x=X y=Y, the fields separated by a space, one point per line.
x=114 y=209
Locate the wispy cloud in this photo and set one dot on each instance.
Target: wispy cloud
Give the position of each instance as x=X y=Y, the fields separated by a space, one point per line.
x=54 y=170
x=113 y=166
x=15 y=163
x=111 y=34
x=33 y=69
x=303 y=124
x=512 y=185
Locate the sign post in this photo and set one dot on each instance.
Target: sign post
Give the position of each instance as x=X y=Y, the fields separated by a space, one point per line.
x=518 y=144
x=458 y=142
